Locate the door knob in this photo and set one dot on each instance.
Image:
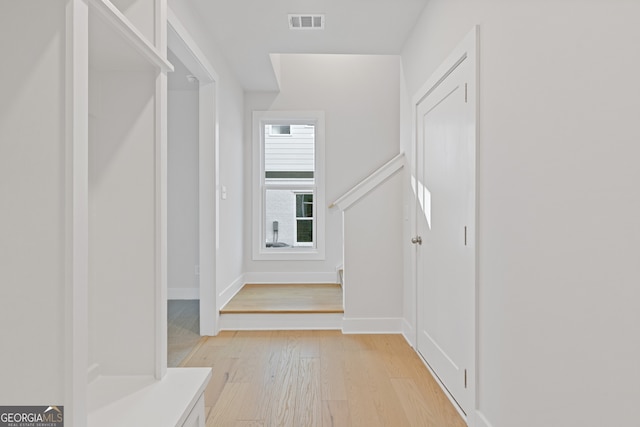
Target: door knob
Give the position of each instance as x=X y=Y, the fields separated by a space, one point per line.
x=416 y=240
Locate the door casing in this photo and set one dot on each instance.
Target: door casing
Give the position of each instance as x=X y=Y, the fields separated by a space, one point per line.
x=185 y=48
x=466 y=51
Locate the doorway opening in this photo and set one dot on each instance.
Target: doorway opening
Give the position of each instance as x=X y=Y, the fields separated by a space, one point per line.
x=183 y=230
x=192 y=216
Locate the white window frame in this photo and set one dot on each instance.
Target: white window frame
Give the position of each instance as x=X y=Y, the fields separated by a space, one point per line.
x=259 y=235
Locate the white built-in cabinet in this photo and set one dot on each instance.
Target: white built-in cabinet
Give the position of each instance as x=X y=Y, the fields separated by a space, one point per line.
x=83 y=156
x=127 y=85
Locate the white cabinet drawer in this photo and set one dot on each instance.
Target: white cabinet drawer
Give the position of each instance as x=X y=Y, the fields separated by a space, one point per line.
x=196 y=417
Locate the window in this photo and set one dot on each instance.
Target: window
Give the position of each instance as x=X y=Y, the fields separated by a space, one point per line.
x=288 y=208
x=278 y=130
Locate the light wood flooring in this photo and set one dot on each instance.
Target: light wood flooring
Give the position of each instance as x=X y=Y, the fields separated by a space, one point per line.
x=183 y=329
x=318 y=378
x=288 y=298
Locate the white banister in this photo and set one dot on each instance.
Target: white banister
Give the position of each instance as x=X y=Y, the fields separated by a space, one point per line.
x=369 y=183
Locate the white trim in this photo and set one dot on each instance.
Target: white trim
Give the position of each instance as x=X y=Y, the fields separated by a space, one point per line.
x=388 y=325
x=259 y=252
x=409 y=333
x=186 y=49
x=229 y=292
x=118 y=22
x=376 y=178
x=161 y=225
x=285 y=321
x=481 y=420
x=183 y=45
x=290 y=277
x=208 y=205
x=183 y=293
x=77 y=211
x=161 y=189
x=467 y=50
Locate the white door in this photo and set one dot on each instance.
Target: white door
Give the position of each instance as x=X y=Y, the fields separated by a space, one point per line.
x=445 y=188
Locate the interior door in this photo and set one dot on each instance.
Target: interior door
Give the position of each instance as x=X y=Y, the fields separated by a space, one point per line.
x=445 y=152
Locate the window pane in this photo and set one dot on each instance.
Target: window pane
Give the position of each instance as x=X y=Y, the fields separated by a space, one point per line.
x=288 y=218
x=304 y=206
x=305 y=231
x=289 y=156
x=279 y=218
x=280 y=130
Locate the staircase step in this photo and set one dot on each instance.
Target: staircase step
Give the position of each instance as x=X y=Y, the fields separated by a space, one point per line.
x=280 y=321
x=324 y=298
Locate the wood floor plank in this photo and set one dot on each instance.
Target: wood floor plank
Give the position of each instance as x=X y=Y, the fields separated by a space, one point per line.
x=228 y=408
x=286 y=298
x=440 y=406
x=361 y=405
x=308 y=404
x=388 y=407
x=418 y=413
x=335 y=413
x=219 y=379
x=253 y=357
x=183 y=330
x=310 y=344
x=332 y=367
x=294 y=378
x=281 y=411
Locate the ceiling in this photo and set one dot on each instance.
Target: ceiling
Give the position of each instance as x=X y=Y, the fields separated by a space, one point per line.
x=247 y=31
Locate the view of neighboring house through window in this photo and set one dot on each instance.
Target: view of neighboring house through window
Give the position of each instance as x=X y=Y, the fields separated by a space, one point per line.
x=304 y=219
x=288 y=206
x=289 y=182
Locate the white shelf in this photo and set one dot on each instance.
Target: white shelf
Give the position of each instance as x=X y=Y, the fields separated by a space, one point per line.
x=115 y=43
x=134 y=401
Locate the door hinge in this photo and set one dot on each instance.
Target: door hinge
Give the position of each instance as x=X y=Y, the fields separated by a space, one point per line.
x=465 y=378
x=466 y=93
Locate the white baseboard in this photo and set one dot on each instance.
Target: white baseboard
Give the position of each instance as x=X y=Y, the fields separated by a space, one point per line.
x=233 y=288
x=481 y=420
x=390 y=325
x=297 y=321
x=290 y=277
x=183 y=293
x=409 y=333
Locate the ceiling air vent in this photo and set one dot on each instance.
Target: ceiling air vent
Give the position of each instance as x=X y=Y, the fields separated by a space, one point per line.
x=306 y=22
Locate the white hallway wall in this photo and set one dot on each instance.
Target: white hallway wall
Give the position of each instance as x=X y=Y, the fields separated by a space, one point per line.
x=182 y=198
x=360 y=97
x=33 y=204
x=230 y=95
x=559 y=301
